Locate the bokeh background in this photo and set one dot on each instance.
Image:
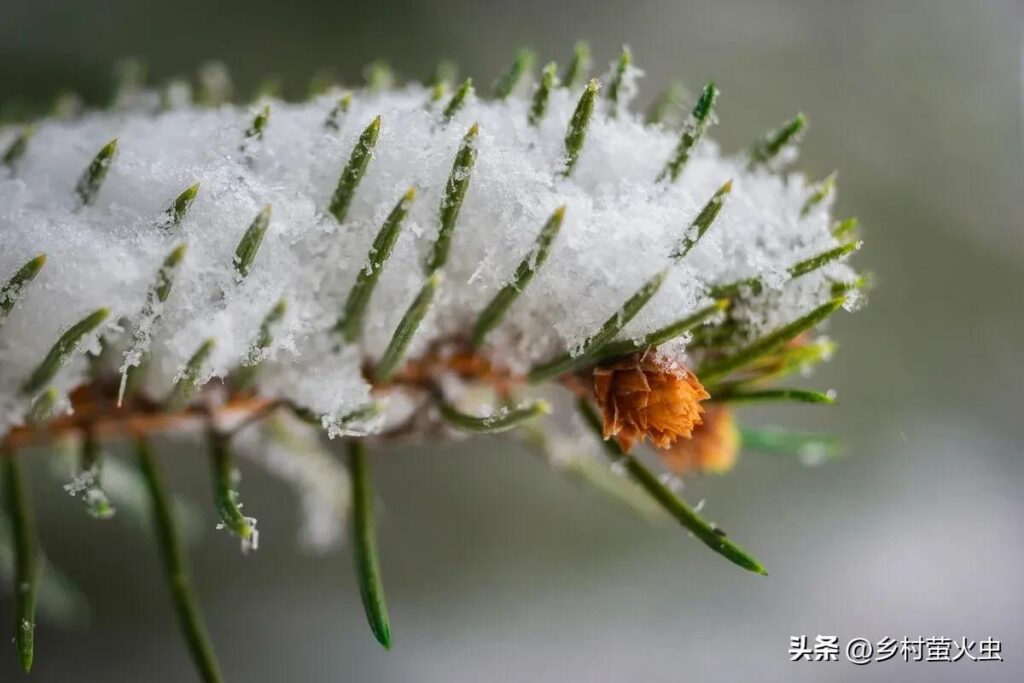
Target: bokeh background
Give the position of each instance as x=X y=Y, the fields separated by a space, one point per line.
x=499 y=570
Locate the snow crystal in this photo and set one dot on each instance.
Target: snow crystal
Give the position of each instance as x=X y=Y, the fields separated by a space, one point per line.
x=619 y=229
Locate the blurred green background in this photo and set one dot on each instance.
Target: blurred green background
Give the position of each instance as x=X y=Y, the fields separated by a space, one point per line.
x=499 y=570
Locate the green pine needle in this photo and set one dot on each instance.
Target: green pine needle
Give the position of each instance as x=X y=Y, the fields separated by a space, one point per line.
x=787 y=360
x=42 y=406
x=445 y=72
x=576 y=134
x=245 y=376
x=773 y=440
x=858 y=284
x=715 y=369
x=766 y=149
x=269 y=87
x=215 y=86
x=351 y=323
x=845 y=229
x=702 y=222
x=159 y=292
x=340 y=108
x=13 y=288
x=61 y=351
x=176 y=212
x=250 y=243
x=507 y=82
x=539 y=105
x=320 y=83
x=173 y=556
x=528 y=267
x=458 y=100
x=503 y=420
x=578 y=67
x=584 y=470
x=91 y=181
x=265 y=337
x=609 y=330
x=188 y=380
x=820 y=194
x=354 y=171
x=437 y=92
x=734 y=290
x=16 y=150
x=693 y=131
x=97 y=504
x=820 y=260
x=254 y=133
x=25 y=558
x=451 y=203
x=715 y=336
x=668 y=101
x=165 y=276
x=364 y=544
x=709 y=534
x=662 y=335
x=755 y=286
x=379 y=76
x=406 y=330
x=618 y=78
x=728 y=394
x=225 y=498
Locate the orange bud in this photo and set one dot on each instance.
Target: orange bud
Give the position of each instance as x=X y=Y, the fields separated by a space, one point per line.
x=644 y=396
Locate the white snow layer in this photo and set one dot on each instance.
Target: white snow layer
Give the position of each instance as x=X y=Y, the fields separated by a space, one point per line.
x=619 y=229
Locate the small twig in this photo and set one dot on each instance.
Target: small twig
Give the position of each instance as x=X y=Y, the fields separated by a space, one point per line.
x=257 y=415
